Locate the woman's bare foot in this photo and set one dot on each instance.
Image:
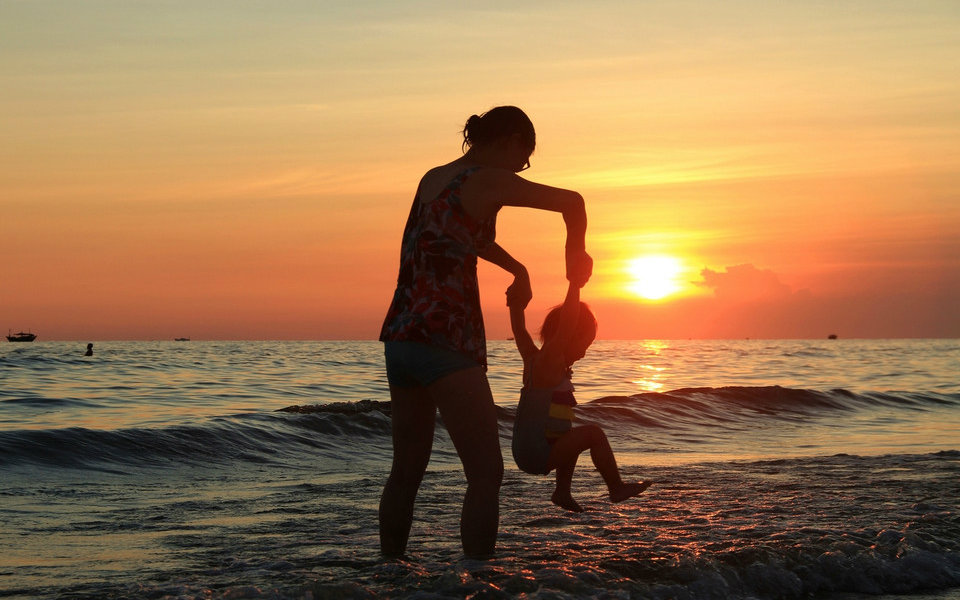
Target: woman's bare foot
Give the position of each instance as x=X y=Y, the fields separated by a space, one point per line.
x=628 y=490
x=565 y=501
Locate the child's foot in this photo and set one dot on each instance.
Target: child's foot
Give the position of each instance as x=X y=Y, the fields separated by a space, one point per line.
x=628 y=490
x=566 y=501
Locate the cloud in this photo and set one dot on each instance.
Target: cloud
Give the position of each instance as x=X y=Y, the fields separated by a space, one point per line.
x=744 y=283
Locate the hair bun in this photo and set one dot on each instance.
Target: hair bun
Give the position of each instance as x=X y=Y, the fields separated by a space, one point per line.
x=471 y=130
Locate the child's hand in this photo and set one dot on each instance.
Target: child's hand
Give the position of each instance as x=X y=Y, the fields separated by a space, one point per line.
x=579 y=267
x=519 y=292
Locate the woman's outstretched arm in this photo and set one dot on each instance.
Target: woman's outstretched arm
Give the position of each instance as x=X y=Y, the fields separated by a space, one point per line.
x=489 y=190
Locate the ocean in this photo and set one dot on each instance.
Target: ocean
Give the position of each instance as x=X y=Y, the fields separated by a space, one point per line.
x=782 y=469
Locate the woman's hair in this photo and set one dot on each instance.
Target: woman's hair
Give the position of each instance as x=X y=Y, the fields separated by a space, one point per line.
x=498 y=123
x=586 y=322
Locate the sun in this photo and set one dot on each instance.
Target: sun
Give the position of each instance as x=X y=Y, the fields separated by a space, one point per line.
x=654 y=276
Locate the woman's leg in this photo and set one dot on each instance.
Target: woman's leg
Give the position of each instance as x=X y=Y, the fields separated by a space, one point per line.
x=468 y=412
x=413 y=415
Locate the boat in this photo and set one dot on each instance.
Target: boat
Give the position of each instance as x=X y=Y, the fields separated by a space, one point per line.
x=22 y=336
x=181 y=339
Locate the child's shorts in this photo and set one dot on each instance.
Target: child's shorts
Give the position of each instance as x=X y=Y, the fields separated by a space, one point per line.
x=530 y=445
x=531 y=451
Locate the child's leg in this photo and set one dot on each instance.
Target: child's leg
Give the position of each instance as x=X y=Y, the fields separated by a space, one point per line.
x=586 y=437
x=628 y=490
x=602 y=456
x=606 y=464
x=564 y=453
x=562 y=496
x=569 y=446
x=563 y=457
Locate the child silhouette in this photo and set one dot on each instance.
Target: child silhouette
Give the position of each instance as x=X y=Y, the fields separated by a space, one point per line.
x=544 y=438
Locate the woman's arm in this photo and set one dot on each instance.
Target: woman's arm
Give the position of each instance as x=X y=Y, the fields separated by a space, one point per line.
x=519 y=292
x=518 y=296
x=488 y=190
x=495 y=254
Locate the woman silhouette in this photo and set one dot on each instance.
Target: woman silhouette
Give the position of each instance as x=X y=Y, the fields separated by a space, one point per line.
x=435 y=347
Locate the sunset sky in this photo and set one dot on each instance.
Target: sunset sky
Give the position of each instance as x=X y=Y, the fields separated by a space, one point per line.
x=243 y=170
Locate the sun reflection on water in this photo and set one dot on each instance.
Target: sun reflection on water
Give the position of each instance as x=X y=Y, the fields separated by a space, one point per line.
x=653 y=371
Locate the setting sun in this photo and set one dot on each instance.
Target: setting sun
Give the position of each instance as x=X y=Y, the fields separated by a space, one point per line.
x=654 y=277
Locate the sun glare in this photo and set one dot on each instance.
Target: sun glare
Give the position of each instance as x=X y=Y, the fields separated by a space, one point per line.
x=654 y=277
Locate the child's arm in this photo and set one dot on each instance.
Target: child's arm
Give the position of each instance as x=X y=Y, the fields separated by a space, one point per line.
x=528 y=349
x=567 y=327
x=518 y=296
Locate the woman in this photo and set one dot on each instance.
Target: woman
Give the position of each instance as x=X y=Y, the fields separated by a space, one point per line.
x=435 y=347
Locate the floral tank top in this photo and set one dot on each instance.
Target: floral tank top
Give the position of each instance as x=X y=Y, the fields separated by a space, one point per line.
x=437 y=300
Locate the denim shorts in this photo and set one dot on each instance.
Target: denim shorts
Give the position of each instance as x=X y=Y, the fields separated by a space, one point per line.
x=413 y=364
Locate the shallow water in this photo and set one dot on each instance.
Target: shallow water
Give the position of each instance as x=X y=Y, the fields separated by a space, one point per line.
x=783 y=469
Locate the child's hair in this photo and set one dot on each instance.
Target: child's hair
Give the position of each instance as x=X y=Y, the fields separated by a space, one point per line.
x=586 y=322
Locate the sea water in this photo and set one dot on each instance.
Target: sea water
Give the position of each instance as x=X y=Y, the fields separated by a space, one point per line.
x=782 y=469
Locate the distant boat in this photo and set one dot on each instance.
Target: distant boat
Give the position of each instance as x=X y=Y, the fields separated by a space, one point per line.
x=181 y=339
x=23 y=336
x=832 y=336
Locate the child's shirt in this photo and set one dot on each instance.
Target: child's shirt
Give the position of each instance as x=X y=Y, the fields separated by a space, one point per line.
x=555 y=408
x=560 y=417
x=543 y=415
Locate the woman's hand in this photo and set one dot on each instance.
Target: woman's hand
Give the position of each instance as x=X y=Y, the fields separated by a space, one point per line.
x=579 y=267
x=519 y=292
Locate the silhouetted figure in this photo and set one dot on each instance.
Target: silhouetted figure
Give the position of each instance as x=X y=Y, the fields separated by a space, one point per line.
x=435 y=347
x=544 y=438
x=89 y=351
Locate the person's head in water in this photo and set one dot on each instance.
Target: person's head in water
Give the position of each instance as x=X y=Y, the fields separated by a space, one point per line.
x=504 y=133
x=582 y=338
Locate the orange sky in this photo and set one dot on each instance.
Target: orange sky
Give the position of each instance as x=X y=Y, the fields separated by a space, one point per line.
x=227 y=170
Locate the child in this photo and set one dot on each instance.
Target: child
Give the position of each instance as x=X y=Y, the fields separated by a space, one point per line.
x=543 y=436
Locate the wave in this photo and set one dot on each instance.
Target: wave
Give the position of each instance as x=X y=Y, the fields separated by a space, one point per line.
x=256 y=438
x=331 y=430
x=742 y=406
x=772 y=401
x=49 y=403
